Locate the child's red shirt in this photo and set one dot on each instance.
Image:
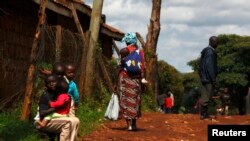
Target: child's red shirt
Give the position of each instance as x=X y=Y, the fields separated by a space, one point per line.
x=63 y=102
x=168 y=102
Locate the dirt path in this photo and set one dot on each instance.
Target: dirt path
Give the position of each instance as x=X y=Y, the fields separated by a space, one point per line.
x=162 y=127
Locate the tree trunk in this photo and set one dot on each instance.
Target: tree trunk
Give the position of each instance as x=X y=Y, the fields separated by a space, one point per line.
x=30 y=77
x=94 y=34
x=151 y=44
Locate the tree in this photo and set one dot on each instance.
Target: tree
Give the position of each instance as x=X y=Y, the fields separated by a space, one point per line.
x=94 y=34
x=191 y=80
x=151 y=45
x=31 y=70
x=233 y=56
x=191 y=83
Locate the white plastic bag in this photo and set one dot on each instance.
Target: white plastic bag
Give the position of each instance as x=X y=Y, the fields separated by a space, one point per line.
x=112 y=111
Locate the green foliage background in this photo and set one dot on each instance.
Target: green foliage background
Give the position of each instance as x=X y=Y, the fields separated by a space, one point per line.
x=233 y=66
x=170 y=80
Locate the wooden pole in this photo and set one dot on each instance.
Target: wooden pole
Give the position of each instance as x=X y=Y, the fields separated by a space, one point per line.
x=94 y=34
x=105 y=73
x=151 y=43
x=115 y=47
x=30 y=78
x=83 y=66
x=141 y=40
x=85 y=42
x=58 y=43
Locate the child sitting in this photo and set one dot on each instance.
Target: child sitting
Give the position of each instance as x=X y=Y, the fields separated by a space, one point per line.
x=62 y=101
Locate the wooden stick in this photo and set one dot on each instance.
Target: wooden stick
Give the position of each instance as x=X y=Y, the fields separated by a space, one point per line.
x=141 y=40
x=115 y=47
x=58 y=43
x=105 y=73
x=31 y=70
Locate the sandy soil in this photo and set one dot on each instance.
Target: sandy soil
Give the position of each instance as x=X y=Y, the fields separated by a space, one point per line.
x=162 y=127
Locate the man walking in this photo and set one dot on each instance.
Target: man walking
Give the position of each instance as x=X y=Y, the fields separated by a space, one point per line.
x=208 y=72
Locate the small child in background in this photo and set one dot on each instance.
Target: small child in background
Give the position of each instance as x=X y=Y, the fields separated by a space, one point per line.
x=58 y=68
x=219 y=110
x=73 y=91
x=198 y=105
x=62 y=101
x=168 y=103
x=225 y=100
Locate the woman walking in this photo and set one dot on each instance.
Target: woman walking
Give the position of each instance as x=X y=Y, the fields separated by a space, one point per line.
x=129 y=82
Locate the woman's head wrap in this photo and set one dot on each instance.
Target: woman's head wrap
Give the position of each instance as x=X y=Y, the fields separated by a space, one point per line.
x=130 y=38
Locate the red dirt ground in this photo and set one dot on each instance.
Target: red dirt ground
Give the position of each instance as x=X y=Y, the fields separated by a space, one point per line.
x=162 y=127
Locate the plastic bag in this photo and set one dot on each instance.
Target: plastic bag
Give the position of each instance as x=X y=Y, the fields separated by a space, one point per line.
x=112 y=111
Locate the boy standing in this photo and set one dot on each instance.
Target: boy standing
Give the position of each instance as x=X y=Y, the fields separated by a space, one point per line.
x=73 y=91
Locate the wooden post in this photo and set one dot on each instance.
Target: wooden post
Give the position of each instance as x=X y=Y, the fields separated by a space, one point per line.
x=83 y=67
x=30 y=77
x=58 y=43
x=105 y=73
x=94 y=34
x=85 y=42
x=116 y=48
x=141 y=40
x=151 y=43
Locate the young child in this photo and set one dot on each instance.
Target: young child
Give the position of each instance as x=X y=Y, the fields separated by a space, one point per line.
x=67 y=72
x=168 y=103
x=73 y=91
x=219 y=109
x=225 y=100
x=58 y=69
x=198 y=105
x=49 y=94
x=62 y=101
x=124 y=52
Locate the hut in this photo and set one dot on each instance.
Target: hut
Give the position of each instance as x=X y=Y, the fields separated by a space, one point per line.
x=60 y=39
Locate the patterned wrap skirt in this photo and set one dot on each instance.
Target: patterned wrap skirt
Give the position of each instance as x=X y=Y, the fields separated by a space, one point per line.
x=129 y=90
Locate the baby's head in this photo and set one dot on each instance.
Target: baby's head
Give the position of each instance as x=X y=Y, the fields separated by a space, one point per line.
x=59 y=69
x=124 y=52
x=62 y=86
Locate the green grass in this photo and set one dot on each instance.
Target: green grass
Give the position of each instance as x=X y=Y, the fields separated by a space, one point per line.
x=90 y=117
x=148 y=103
x=13 y=129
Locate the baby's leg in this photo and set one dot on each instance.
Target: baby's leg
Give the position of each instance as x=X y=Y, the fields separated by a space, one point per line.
x=44 y=122
x=41 y=123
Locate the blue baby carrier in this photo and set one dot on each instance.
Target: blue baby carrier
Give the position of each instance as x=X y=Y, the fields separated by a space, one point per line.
x=132 y=63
